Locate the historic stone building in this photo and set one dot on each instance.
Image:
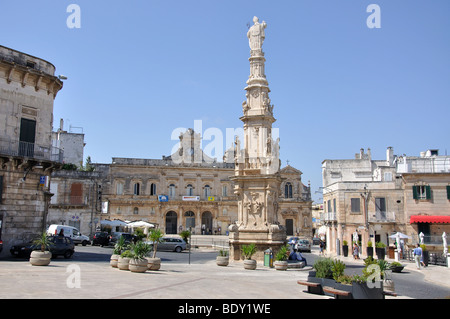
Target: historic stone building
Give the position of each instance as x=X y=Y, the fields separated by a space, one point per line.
x=28 y=87
x=371 y=199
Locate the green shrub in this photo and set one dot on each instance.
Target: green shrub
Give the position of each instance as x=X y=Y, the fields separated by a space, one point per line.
x=323 y=267
x=337 y=268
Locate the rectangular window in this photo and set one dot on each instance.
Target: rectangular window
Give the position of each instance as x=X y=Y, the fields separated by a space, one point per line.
x=421 y=192
x=380 y=204
x=388 y=177
x=119 y=188
x=448 y=192
x=356 y=205
x=1 y=188
x=224 y=191
x=334 y=205
x=329 y=206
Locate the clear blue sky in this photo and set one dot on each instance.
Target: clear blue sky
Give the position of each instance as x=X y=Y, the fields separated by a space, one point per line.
x=137 y=70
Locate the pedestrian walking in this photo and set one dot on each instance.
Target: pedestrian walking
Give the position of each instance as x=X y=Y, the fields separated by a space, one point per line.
x=417 y=252
x=355 y=251
x=321 y=245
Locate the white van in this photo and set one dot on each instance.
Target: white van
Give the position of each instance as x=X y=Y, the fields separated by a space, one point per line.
x=69 y=231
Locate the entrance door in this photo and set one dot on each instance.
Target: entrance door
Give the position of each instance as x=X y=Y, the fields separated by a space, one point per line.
x=289 y=227
x=171 y=223
x=425 y=229
x=190 y=220
x=27 y=137
x=206 y=223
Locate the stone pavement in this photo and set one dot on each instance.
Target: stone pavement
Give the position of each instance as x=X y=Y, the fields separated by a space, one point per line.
x=70 y=279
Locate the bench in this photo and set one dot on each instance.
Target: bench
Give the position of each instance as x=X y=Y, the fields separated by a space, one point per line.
x=313 y=287
x=389 y=293
x=338 y=294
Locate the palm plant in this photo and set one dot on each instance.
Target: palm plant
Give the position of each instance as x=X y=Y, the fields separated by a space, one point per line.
x=43 y=241
x=155 y=236
x=248 y=251
x=140 y=250
x=282 y=254
x=120 y=246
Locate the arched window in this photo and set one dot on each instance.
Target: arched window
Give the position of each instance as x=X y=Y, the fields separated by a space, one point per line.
x=152 y=189
x=172 y=191
x=137 y=189
x=207 y=191
x=189 y=190
x=288 y=190
x=136 y=211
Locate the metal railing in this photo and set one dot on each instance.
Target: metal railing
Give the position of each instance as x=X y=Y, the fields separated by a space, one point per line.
x=31 y=150
x=381 y=217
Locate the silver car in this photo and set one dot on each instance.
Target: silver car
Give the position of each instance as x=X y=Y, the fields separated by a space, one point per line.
x=171 y=244
x=303 y=245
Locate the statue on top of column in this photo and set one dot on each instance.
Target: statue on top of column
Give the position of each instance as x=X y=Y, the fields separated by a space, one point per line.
x=256 y=34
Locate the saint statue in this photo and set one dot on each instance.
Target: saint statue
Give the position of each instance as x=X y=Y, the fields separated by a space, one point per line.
x=256 y=34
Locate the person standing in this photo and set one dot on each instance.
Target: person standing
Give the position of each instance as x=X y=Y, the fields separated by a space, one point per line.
x=418 y=255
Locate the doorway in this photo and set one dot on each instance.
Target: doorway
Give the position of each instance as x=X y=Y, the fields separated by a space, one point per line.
x=206 y=223
x=289 y=227
x=27 y=137
x=171 y=222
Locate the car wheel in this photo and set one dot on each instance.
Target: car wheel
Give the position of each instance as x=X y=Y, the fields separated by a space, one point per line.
x=178 y=249
x=68 y=254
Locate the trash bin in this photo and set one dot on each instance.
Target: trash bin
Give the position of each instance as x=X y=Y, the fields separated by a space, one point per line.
x=268 y=258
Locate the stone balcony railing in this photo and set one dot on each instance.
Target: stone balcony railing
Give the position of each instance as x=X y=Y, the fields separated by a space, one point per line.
x=381 y=217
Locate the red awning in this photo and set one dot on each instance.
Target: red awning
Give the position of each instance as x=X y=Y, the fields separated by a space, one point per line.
x=429 y=219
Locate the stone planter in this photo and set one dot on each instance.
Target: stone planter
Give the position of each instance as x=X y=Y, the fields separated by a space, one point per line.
x=281 y=265
x=153 y=263
x=40 y=258
x=123 y=263
x=249 y=264
x=362 y=291
x=397 y=268
x=138 y=265
x=222 y=261
x=114 y=260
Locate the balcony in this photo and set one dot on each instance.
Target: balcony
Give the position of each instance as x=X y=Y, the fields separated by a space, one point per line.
x=31 y=150
x=381 y=217
x=328 y=217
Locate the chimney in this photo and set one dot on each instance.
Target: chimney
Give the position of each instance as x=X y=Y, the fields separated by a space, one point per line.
x=390 y=155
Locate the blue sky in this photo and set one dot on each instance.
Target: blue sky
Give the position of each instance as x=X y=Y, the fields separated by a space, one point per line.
x=137 y=70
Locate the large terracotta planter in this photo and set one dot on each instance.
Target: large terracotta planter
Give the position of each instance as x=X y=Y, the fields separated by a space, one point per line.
x=40 y=258
x=114 y=260
x=281 y=265
x=153 y=263
x=123 y=263
x=222 y=261
x=138 y=265
x=250 y=264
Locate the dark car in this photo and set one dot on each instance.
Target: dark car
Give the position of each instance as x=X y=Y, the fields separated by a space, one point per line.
x=1 y=245
x=59 y=245
x=101 y=238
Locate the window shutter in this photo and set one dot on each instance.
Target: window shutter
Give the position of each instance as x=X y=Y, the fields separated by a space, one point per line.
x=448 y=192
x=414 y=189
x=1 y=188
x=428 y=190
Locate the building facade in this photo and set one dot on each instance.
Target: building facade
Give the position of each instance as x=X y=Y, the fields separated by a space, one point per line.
x=369 y=200
x=28 y=88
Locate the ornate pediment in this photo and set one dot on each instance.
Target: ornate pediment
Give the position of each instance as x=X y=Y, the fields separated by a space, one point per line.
x=290 y=170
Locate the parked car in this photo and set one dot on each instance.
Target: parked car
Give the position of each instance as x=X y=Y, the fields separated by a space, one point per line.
x=129 y=238
x=59 y=245
x=303 y=245
x=1 y=245
x=316 y=241
x=101 y=238
x=69 y=231
x=170 y=244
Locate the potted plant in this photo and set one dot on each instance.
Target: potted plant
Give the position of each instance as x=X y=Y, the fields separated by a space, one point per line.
x=324 y=273
x=120 y=246
x=344 y=282
x=41 y=257
x=380 y=249
x=369 y=249
x=154 y=236
x=425 y=255
x=222 y=259
x=281 y=257
x=345 y=248
x=138 y=263
x=123 y=262
x=248 y=251
x=396 y=266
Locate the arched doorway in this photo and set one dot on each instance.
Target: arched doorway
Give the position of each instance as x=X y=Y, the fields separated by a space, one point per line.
x=190 y=220
x=171 y=222
x=207 y=223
